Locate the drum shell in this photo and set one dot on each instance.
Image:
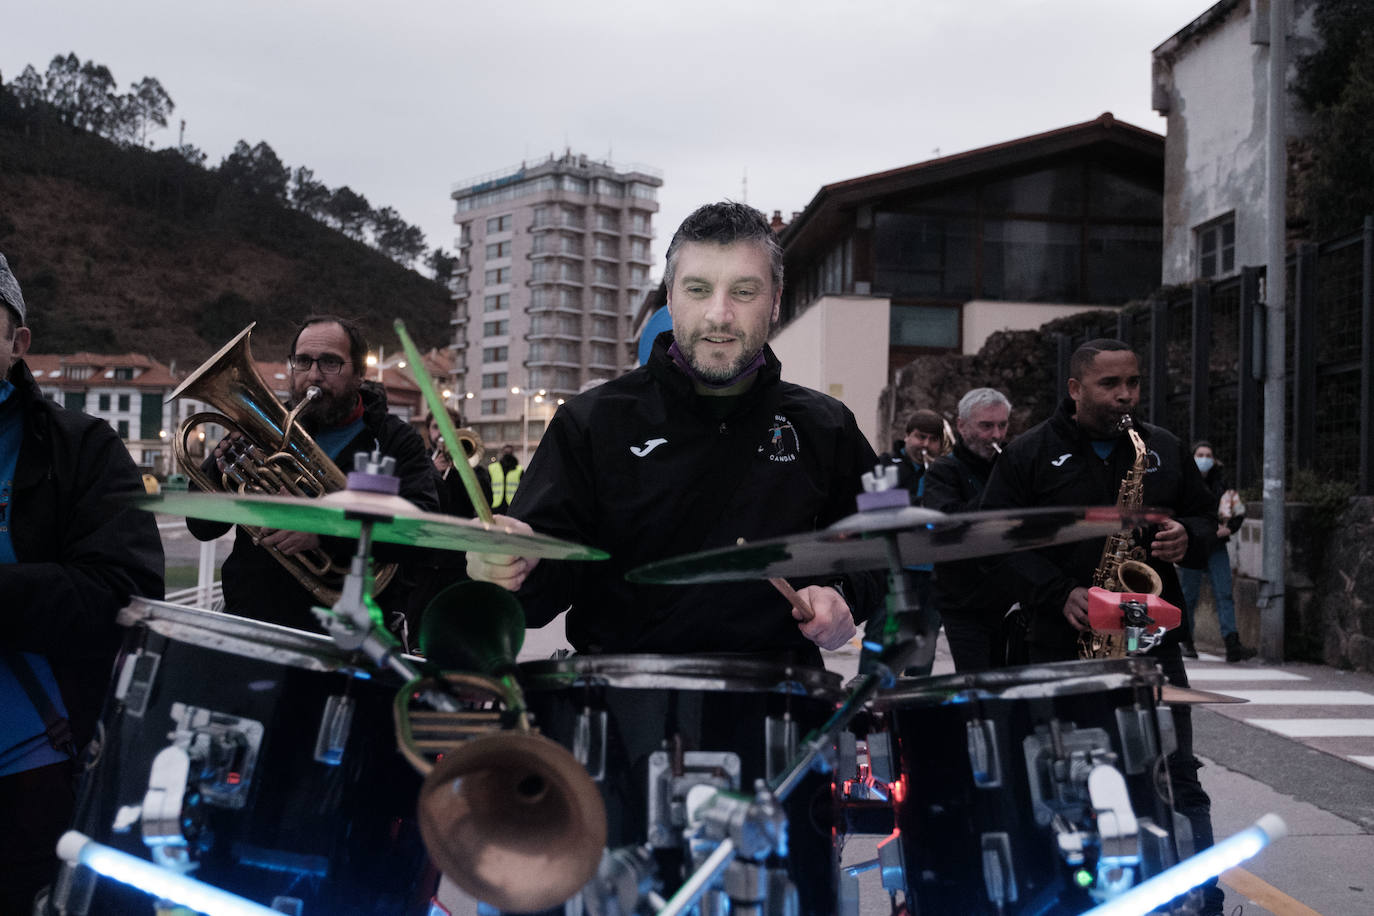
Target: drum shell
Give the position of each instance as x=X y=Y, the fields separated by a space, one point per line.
x=341 y=837
x=715 y=704
x=942 y=814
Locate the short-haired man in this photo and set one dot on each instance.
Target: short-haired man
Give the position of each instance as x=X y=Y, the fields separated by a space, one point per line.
x=349 y=415
x=703 y=446
x=70 y=558
x=972 y=605
x=1079 y=457
x=924 y=443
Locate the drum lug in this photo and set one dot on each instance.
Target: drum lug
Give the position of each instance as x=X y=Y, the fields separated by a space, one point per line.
x=999 y=871
x=164 y=808
x=667 y=813
x=1138 y=748
x=134 y=686
x=1156 y=848
x=335 y=722
x=780 y=744
x=1168 y=738
x=589 y=742
x=880 y=758
x=983 y=756
x=892 y=864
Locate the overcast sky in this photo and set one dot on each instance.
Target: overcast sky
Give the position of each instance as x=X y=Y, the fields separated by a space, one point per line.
x=401 y=100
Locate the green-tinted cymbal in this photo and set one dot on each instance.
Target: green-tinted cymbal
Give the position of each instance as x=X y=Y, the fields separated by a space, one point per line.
x=338 y=514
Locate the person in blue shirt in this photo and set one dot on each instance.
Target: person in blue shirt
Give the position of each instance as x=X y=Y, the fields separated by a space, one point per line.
x=70 y=558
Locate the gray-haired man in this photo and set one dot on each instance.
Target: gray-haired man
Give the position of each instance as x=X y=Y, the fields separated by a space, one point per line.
x=971 y=605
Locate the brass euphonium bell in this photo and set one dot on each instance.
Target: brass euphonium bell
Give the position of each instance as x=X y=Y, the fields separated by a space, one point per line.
x=508 y=815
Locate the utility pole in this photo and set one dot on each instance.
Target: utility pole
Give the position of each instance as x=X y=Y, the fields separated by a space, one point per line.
x=1271 y=599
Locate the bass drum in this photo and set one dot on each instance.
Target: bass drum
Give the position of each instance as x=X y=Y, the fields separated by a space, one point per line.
x=649 y=728
x=997 y=807
x=262 y=756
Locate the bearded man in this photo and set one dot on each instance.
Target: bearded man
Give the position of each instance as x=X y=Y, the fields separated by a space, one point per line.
x=348 y=415
x=702 y=446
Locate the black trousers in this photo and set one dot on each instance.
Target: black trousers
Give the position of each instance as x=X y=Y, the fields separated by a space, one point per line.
x=36 y=808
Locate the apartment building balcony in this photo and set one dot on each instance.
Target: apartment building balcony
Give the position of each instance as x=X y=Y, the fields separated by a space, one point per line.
x=558 y=222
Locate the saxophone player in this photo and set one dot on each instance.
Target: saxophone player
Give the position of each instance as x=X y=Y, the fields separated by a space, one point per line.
x=1081 y=456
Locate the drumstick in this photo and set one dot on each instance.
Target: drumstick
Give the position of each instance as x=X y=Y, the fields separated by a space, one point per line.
x=793 y=598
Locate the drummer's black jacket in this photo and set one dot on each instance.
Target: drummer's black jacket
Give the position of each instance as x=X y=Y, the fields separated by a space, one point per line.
x=1054 y=464
x=257 y=586
x=81 y=554
x=646 y=469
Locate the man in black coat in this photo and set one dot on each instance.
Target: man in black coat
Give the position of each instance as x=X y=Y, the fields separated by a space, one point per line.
x=1079 y=457
x=349 y=416
x=972 y=604
x=70 y=558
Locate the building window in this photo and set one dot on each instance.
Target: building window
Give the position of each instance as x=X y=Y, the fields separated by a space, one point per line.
x=492 y=407
x=102 y=402
x=1216 y=248
x=494 y=380
x=498 y=275
x=497 y=303
x=124 y=372
x=498 y=250
x=123 y=403
x=494 y=354
x=495 y=328
x=499 y=224
x=924 y=326
x=122 y=427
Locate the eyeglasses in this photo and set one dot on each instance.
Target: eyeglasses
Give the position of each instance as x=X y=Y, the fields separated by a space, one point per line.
x=329 y=364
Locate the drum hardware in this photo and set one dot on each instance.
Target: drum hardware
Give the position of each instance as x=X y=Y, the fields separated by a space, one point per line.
x=1126 y=623
x=673 y=777
x=589 y=742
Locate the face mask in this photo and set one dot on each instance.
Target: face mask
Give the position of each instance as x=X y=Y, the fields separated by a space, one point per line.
x=1204 y=464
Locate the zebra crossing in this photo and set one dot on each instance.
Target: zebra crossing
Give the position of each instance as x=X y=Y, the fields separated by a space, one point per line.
x=1320 y=707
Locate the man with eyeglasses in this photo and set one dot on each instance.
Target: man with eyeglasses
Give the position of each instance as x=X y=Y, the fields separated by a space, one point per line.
x=349 y=415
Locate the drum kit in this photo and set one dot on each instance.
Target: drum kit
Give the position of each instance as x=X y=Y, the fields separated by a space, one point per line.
x=243 y=767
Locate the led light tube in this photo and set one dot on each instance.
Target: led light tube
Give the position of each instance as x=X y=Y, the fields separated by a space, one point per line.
x=154 y=880
x=1192 y=871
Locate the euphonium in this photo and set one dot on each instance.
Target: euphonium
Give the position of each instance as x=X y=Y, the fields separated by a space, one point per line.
x=275 y=457
x=1123 y=567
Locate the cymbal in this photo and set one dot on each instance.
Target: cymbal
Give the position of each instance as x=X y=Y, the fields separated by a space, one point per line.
x=1180 y=696
x=340 y=514
x=858 y=543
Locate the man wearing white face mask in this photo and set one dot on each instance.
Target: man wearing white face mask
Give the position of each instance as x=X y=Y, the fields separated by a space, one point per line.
x=1219 y=562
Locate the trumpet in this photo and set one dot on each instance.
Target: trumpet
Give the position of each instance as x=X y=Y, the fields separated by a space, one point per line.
x=472 y=445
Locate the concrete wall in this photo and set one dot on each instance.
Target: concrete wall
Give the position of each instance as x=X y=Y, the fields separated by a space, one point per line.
x=839 y=346
x=1214 y=86
x=982 y=318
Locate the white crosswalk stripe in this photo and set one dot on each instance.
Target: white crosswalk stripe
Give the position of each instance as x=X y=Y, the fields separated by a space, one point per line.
x=1332 y=721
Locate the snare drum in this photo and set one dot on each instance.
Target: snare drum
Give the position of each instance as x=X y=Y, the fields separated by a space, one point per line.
x=650 y=727
x=262 y=756
x=993 y=804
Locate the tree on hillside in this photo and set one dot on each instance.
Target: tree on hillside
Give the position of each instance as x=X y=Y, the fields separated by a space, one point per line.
x=255 y=170
x=1336 y=84
x=149 y=105
x=28 y=88
x=441 y=265
x=62 y=84
x=396 y=238
x=350 y=211
x=309 y=196
x=97 y=106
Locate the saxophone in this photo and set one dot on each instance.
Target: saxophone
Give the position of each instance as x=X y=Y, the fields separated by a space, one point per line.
x=1123 y=567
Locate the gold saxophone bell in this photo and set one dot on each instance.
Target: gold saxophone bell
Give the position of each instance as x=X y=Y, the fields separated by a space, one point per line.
x=277 y=456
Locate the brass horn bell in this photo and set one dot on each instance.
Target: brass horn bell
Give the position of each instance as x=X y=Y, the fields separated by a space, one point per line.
x=513 y=819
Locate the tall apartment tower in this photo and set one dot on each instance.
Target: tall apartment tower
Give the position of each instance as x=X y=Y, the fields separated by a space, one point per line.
x=553 y=263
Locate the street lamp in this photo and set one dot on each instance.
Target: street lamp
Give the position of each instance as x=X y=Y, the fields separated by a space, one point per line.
x=525 y=418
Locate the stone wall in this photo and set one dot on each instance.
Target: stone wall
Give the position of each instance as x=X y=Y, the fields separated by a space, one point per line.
x=1346 y=586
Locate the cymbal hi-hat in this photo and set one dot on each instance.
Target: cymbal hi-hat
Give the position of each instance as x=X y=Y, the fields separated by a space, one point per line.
x=342 y=513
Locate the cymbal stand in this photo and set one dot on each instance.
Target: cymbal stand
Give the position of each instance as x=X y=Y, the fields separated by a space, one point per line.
x=747 y=828
x=351 y=622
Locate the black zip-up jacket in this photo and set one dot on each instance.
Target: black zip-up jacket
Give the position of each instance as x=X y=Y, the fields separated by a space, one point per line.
x=1054 y=464
x=81 y=553
x=646 y=469
x=257 y=586
x=953 y=484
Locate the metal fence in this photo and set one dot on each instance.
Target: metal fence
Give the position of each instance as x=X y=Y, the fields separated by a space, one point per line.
x=1203 y=358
